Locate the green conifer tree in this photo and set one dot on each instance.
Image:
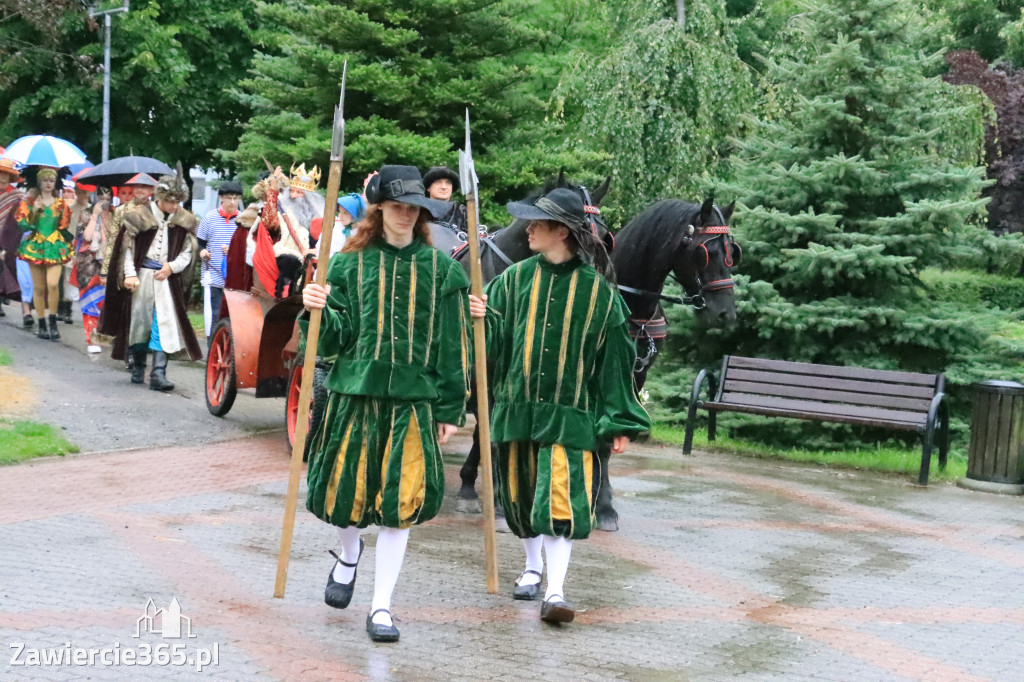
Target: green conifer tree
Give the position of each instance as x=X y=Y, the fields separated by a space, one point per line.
x=868 y=175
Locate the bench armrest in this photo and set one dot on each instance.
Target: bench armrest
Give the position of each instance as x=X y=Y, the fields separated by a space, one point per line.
x=696 y=402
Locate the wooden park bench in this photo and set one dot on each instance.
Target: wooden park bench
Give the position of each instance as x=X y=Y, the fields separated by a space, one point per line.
x=905 y=401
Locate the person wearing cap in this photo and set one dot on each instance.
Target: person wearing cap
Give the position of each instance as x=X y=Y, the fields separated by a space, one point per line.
x=562 y=361
x=140 y=189
x=44 y=216
x=10 y=235
x=150 y=277
x=214 y=237
x=395 y=315
x=440 y=183
x=351 y=209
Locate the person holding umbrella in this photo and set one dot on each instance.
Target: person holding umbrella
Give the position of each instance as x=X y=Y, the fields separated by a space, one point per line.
x=140 y=188
x=48 y=245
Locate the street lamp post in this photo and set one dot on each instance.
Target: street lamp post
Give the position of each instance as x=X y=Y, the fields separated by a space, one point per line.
x=106 y=14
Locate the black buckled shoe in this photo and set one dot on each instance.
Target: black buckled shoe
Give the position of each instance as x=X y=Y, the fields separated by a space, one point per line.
x=527 y=592
x=381 y=633
x=556 y=610
x=336 y=594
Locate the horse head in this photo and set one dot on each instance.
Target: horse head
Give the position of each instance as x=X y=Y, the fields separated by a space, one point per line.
x=703 y=262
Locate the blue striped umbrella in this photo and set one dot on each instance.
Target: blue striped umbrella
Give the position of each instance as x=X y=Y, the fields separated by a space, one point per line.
x=44 y=150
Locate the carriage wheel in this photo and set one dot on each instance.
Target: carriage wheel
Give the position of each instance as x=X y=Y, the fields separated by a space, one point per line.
x=291 y=405
x=221 y=387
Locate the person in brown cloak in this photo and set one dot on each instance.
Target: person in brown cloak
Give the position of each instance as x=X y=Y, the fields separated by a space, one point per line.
x=147 y=289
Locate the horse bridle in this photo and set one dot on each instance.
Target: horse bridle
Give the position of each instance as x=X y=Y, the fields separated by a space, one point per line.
x=697 y=300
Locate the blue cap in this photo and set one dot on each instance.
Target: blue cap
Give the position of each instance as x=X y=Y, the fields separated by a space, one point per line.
x=354 y=204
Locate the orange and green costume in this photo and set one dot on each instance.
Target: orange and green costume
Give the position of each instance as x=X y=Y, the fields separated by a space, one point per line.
x=49 y=242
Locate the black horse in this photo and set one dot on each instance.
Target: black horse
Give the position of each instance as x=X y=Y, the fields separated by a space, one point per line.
x=690 y=243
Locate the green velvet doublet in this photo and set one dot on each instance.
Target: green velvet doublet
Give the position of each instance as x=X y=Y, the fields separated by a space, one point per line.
x=561 y=361
x=397 y=320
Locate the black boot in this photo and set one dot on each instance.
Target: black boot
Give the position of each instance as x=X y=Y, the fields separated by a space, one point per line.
x=43 y=333
x=139 y=366
x=158 y=377
x=65 y=312
x=28 y=321
x=54 y=334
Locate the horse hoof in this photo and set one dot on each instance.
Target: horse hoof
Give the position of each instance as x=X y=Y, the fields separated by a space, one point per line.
x=464 y=506
x=608 y=521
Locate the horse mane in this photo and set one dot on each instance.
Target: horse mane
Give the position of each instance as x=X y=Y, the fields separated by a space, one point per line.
x=660 y=223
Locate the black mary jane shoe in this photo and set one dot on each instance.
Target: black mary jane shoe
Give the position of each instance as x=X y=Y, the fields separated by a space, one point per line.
x=381 y=633
x=336 y=594
x=557 y=610
x=527 y=592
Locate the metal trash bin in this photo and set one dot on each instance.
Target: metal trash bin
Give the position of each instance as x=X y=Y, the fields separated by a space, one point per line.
x=995 y=461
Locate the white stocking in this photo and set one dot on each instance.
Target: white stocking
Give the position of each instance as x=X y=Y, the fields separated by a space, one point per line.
x=349 y=540
x=391 y=544
x=534 y=560
x=557 y=550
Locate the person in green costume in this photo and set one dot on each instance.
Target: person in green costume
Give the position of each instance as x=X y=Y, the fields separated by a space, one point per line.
x=49 y=244
x=395 y=313
x=562 y=362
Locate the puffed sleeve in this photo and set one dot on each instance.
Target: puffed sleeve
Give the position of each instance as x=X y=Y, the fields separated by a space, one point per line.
x=337 y=333
x=498 y=321
x=454 y=354
x=619 y=412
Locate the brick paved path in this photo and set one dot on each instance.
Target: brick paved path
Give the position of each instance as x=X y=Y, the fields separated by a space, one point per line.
x=724 y=568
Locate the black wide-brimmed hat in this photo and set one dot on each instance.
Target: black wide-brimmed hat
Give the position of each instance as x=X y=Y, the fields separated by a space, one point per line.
x=562 y=205
x=440 y=173
x=403 y=184
x=230 y=187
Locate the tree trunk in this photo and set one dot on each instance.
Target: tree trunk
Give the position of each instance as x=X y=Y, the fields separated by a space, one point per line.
x=681 y=12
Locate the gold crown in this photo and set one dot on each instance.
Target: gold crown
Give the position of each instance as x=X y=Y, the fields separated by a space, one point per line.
x=303 y=179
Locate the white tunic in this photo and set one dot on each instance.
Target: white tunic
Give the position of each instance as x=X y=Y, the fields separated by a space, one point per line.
x=153 y=293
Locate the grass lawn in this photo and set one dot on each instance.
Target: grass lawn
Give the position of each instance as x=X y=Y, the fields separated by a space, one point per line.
x=5 y=357
x=21 y=439
x=885 y=459
x=197 y=321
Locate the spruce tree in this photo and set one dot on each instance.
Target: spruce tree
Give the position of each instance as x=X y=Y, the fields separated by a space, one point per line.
x=868 y=174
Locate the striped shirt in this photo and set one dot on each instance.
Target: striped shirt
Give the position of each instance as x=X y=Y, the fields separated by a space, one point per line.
x=217 y=232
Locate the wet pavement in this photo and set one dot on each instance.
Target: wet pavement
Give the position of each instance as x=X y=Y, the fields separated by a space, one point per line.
x=724 y=568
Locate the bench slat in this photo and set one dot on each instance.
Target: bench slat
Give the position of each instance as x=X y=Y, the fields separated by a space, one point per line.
x=867 y=387
x=818 y=409
x=885 y=375
x=827 y=394
x=769 y=412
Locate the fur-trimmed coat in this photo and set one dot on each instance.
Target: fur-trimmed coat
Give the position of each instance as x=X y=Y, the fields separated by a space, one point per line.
x=140 y=227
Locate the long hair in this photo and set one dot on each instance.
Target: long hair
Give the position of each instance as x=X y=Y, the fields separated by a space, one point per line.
x=372 y=226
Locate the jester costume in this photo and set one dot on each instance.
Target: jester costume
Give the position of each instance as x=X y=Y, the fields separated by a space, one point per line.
x=397 y=321
x=560 y=351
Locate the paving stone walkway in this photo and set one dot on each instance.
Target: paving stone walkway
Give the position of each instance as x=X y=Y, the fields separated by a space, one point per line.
x=724 y=568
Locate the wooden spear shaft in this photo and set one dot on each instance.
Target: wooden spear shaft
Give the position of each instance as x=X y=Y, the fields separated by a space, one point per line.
x=312 y=337
x=483 y=417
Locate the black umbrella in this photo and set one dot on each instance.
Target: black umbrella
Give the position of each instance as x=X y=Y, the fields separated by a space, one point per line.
x=117 y=171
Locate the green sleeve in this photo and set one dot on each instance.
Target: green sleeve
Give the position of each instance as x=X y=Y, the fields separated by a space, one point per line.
x=619 y=412
x=454 y=353
x=498 y=322
x=336 y=331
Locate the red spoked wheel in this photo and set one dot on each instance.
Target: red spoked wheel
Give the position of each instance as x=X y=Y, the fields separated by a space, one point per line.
x=221 y=387
x=291 y=405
